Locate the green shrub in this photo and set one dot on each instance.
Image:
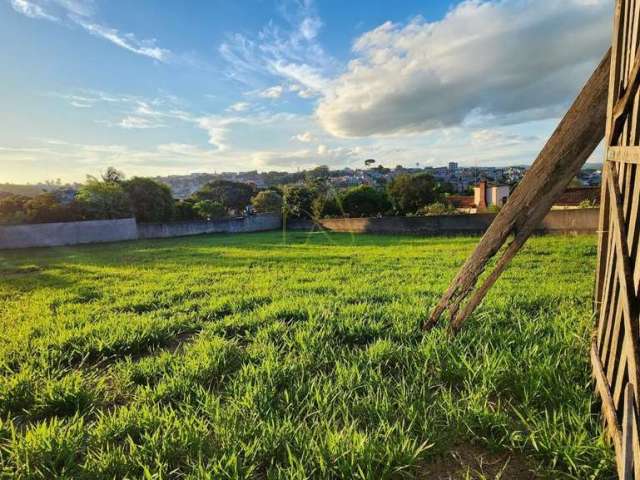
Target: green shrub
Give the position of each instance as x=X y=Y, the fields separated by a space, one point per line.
x=438 y=208
x=364 y=201
x=151 y=201
x=267 y=202
x=209 y=210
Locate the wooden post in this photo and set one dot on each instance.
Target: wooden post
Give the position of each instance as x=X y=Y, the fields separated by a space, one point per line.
x=561 y=159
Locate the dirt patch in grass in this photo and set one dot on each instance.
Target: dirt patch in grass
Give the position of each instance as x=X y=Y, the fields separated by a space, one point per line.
x=471 y=462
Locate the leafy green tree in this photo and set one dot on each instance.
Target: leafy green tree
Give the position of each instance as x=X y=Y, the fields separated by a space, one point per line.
x=267 y=202
x=326 y=206
x=104 y=200
x=233 y=196
x=321 y=172
x=12 y=208
x=409 y=193
x=364 y=201
x=210 y=210
x=151 y=201
x=45 y=208
x=298 y=200
x=447 y=187
x=185 y=210
x=112 y=175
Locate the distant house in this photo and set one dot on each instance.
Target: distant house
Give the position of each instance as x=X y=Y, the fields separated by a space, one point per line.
x=486 y=196
x=578 y=197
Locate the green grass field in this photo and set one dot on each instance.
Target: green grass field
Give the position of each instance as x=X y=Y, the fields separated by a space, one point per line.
x=244 y=357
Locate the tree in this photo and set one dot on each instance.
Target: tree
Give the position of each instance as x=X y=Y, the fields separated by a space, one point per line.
x=364 y=201
x=151 y=201
x=381 y=170
x=112 y=175
x=45 y=208
x=409 y=193
x=326 y=206
x=233 y=196
x=319 y=172
x=267 y=202
x=447 y=187
x=12 y=208
x=210 y=210
x=185 y=210
x=298 y=201
x=104 y=200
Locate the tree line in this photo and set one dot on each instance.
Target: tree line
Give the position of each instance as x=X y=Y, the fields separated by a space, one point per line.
x=113 y=196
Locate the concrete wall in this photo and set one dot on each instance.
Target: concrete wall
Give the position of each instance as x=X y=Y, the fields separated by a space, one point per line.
x=254 y=223
x=73 y=233
x=96 y=231
x=560 y=221
x=579 y=220
x=68 y=233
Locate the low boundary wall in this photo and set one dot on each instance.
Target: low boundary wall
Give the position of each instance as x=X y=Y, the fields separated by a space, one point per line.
x=557 y=221
x=67 y=233
x=99 y=231
x=254 y=223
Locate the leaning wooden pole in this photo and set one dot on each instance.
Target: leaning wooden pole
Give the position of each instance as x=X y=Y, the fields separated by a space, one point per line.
x=561 y=159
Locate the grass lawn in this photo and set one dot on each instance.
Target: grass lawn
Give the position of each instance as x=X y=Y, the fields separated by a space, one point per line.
x=242 y=357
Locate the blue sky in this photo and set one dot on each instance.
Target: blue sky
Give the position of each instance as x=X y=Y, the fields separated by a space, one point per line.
x=157 y=88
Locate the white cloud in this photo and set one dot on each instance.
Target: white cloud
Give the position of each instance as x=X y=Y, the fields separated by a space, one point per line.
x=508 y=60
x=132 y=122
x=272 y=92
x=128 y=41
x=495 y=137
x=78 y=104
x=31 y=10
x=305 y=137
x=81 y=12
x=307 y=78
x=132 y=112
x=310 y=26
x=306 y=158
x=302 y=92
x=292 y=53
x=84 y=8
x=239 y=107
x=217 y=129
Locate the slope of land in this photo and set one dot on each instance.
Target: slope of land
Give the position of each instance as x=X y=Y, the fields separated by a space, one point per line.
x=244 y=357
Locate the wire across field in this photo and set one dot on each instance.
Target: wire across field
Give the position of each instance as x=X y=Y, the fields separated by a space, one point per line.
x=247 y=357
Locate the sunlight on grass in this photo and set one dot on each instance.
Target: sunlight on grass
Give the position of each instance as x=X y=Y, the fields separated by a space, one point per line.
x=242 y=357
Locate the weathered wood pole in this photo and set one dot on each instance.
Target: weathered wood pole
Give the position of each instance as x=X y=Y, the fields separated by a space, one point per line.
x=573 y=141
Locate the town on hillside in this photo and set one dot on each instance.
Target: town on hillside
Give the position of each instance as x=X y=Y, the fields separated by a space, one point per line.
x=311 y=194
x=460 y=179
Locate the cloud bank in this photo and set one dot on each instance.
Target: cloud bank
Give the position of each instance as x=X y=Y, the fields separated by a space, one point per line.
x=503 y=61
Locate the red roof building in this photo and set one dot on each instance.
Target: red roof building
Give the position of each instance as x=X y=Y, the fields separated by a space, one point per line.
x=574 y=197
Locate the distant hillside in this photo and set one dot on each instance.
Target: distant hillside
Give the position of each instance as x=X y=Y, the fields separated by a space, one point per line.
x=32 y=190
x=26 y=190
